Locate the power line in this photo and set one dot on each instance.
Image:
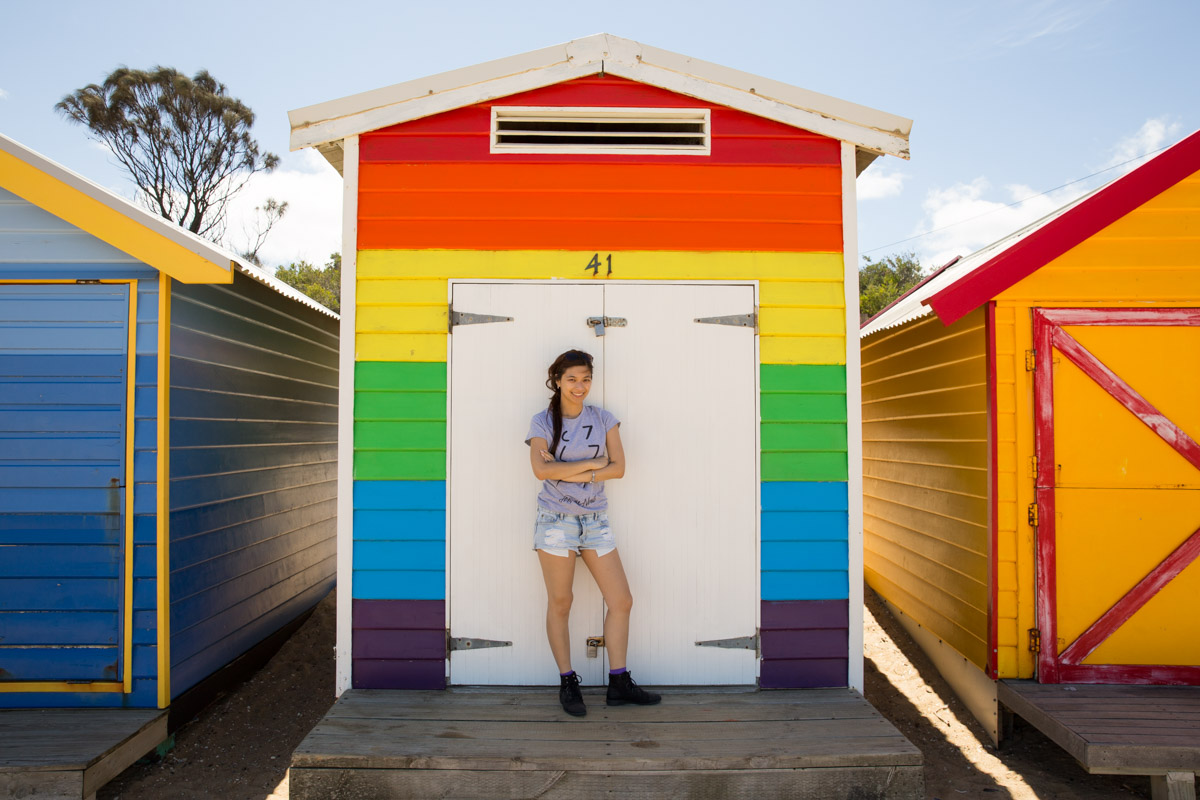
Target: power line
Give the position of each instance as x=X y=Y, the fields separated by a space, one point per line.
x=1017 y=202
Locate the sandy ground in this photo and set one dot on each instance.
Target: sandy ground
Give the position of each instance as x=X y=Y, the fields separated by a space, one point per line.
x=239 y=747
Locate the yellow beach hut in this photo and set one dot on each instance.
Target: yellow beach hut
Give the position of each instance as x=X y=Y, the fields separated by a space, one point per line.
x=1031 y=471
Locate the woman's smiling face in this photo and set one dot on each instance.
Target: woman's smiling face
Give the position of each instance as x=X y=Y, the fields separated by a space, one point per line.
x=575 y=383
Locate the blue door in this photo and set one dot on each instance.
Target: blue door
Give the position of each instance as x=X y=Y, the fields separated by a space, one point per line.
x=63 y=372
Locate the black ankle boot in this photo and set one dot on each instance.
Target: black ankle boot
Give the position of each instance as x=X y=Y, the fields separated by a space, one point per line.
x=570 y=696
x=622 y=690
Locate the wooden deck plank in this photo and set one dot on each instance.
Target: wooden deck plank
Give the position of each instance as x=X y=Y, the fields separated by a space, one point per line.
x=72 y=752
x=1141 y=730
x=370 y=733
x=884 y=783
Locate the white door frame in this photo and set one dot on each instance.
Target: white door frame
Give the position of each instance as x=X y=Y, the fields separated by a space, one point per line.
x=450 y=284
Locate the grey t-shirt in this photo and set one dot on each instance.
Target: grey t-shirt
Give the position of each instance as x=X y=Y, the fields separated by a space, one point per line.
x=582 y=438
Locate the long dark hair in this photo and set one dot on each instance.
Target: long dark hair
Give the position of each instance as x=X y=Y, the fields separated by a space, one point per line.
x=571 y=358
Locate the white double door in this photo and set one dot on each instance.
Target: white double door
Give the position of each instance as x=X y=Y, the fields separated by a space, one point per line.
x=685 y=513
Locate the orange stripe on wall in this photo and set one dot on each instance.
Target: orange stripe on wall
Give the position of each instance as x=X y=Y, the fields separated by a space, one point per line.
x=582 y=206
x=393 y=177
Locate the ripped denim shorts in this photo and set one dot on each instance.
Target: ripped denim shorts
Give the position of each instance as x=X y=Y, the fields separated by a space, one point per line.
x=563 y=534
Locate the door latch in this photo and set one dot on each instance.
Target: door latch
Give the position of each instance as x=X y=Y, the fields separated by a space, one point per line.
x=600 y=323
x=593 y=644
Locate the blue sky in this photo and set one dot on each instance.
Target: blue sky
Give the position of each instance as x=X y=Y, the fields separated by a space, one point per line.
x=1009 y=99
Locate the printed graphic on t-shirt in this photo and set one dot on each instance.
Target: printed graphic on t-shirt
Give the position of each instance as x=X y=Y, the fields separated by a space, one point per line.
x=582 y=438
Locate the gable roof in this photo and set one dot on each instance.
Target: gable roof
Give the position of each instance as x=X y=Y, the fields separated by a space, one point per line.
x=965 y=284
x=325 y=125
x=149 y=238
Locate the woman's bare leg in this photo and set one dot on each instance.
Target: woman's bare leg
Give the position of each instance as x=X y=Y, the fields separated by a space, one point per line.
x=609 y=575
x=559 y=574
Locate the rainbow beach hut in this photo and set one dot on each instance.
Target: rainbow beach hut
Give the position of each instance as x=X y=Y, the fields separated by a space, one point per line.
x=693 y=227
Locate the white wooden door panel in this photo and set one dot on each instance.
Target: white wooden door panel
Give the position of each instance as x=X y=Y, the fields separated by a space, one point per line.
x=685 y=512
x=496 y=384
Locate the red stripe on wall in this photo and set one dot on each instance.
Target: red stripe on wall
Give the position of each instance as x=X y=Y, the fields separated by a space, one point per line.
x=464 y=134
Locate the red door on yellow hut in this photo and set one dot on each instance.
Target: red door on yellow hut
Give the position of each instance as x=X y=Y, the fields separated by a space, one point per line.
x=1118 y=508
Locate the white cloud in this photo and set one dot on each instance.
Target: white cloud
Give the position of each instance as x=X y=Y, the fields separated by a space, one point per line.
x=967 y=216
x=312 y=227
x=1045 y=19
x=877 y=183
x=1152 y=136
x=3 y=95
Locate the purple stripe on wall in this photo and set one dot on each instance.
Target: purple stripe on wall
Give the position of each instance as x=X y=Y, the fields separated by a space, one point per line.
x=805 y=643
x=803 y=673
x=399 y=644
x=370 y=674
x=400 y=614
x=793 y=615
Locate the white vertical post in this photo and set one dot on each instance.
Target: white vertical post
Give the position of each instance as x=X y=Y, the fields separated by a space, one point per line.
x=853 y=414
x=346 y=358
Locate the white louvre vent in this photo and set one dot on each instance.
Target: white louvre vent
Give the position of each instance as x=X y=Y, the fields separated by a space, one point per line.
x=631 y=131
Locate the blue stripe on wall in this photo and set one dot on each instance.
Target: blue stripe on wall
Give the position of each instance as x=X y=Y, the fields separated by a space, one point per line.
x=400 y=494
x=400 y=540
x=408 y=584
x=805 y=585
x=804 y=529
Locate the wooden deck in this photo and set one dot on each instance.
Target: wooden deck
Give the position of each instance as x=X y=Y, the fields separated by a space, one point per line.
x=484 y=743
x=69 y=753
x=1131 y=730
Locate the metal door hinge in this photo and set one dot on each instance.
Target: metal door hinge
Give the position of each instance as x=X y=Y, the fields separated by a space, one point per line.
x=465 y=318
x=1035 y=640
x=1033 y=464
x=1032 y=515
x=593 y=643
x=600 y=323
x=1030 y=360
x=737 y=320
x=462 y=643
x=736 y=643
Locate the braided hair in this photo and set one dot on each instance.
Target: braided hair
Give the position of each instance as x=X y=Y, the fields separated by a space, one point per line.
x=571 y=358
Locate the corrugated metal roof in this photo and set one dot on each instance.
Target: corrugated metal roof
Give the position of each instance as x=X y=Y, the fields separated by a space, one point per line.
x=912 y=305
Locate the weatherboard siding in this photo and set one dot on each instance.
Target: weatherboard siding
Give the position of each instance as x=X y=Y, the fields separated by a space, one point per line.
x=34 y=246
x=1145 y=259
x=435 y=205
x=253 y=469
x=925 y=476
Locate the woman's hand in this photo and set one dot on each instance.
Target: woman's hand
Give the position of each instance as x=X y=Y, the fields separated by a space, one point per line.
x=545 y=454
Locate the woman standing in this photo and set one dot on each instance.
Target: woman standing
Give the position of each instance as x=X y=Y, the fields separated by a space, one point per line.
x=574 y=448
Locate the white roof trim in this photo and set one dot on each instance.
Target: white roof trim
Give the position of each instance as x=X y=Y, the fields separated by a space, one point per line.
x=912 y=305
x=184 y=238
x=864 y=127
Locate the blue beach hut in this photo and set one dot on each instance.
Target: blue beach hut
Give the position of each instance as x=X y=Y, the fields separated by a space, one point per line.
x=168 y=437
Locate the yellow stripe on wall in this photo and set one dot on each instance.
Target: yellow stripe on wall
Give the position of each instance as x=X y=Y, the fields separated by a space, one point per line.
x=402 y=313
x=571 y=264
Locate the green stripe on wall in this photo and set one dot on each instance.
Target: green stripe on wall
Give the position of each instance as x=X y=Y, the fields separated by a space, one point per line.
x=802 y=378
x=389 y=435
x=803 y=431
x=400 y=405
x=400 y=465
x=375 y=375
x=804 y=466
x=399 y=420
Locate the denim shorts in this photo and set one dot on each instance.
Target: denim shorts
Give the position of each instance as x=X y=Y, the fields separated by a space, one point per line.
x=563 y=534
